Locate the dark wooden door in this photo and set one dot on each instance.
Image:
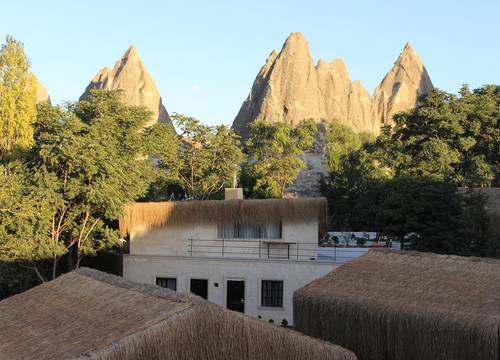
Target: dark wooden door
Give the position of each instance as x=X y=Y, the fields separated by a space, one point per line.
x=236 y=295
x=199 y=287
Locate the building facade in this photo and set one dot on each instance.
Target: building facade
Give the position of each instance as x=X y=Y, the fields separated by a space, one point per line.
x=247 y=255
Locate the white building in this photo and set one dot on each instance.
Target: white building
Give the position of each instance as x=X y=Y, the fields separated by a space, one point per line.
x=247 y=255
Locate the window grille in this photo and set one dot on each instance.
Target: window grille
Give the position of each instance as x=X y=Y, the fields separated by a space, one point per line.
x=272 y=293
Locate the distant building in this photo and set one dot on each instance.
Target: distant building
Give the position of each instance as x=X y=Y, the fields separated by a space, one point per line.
x=247 y=255
x=406 y=305
x=91 y=315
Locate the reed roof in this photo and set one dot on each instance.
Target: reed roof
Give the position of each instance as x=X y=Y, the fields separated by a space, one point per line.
x=87 y=314
x=255 y=211
x=388 y=304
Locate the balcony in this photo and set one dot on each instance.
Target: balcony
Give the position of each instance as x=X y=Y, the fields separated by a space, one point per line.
x=253 y=249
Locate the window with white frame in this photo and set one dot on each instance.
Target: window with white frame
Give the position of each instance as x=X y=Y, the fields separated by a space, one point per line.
x=169 y=283
x=272 y=293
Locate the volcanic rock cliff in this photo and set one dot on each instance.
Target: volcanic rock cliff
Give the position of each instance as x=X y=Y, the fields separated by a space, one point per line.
x=290 y=88
x=404 y=83
x=138 y=86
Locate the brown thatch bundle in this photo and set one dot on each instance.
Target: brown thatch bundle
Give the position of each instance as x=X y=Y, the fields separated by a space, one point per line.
x=91 y=315
x=391 y=305
x=257 y=211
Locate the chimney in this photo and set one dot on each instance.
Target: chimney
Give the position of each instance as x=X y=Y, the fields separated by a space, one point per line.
x=233 y=192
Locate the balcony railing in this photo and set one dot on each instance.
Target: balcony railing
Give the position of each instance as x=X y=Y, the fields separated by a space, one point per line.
x=253 y=249
x=271 y=249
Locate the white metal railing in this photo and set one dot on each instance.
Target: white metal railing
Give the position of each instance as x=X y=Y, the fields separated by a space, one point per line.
x=253 y=249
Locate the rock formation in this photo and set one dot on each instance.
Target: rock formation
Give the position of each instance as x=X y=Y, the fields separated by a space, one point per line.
x=290 y=88
x=138 y=87
x=401 y=87
x=286 y=88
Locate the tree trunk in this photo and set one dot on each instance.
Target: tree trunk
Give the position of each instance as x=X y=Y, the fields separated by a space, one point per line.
x=70 y=261
x=38 y=274
x=78 y=261
x=54 y=267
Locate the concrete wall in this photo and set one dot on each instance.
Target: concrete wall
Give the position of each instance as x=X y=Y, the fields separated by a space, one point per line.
x=174 y=240
x=169 y=240
x=294 y=274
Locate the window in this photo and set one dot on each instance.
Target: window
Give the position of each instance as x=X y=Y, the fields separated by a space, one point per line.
x=199 y=287
x=169 y=283
x=272 y=293
x=249 y=231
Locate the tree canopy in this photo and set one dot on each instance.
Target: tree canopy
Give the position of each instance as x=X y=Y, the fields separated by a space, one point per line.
x=207 y=159
x=449 y=138
x=274 y=151
x=405 y=184
x=87 y=161
x=17 y=98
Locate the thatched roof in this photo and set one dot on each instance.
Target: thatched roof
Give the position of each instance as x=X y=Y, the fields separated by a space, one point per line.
x=91 y=315
x=392 y=305
x=257 y=211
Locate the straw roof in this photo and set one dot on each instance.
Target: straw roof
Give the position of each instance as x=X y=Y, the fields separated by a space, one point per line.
x=91 y=315
x=391 y=305
x=257 y=211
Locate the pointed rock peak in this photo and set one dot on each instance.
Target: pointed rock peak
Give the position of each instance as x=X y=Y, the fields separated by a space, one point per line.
x=135 y=82
x=339 y=66
x=408 y=47
x=101 y=75
x=295 y=41
x=408 y=59
x=401 y=87
x=409 y=53
x=269 y=63
x=321 y=64
x=357 y=85
x=130 y=54
x=132 y=50
x=272 y=56
x=296 y=36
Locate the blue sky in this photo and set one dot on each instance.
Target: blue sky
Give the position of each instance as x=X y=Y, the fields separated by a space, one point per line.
x=204 y=55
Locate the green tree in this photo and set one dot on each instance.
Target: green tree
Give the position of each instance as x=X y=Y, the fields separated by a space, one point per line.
x=17 y=98
x=447 y=138
x=274 y=154
x=25 y=220
x=88 y=160
x=340 y=140
x=347 y=184
x=208 y=157
x=482 y=124
x=429 y=215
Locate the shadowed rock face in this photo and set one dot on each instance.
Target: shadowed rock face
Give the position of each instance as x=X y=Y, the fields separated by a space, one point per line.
x=289 y=88
x=402 y=86
x=138 y=86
